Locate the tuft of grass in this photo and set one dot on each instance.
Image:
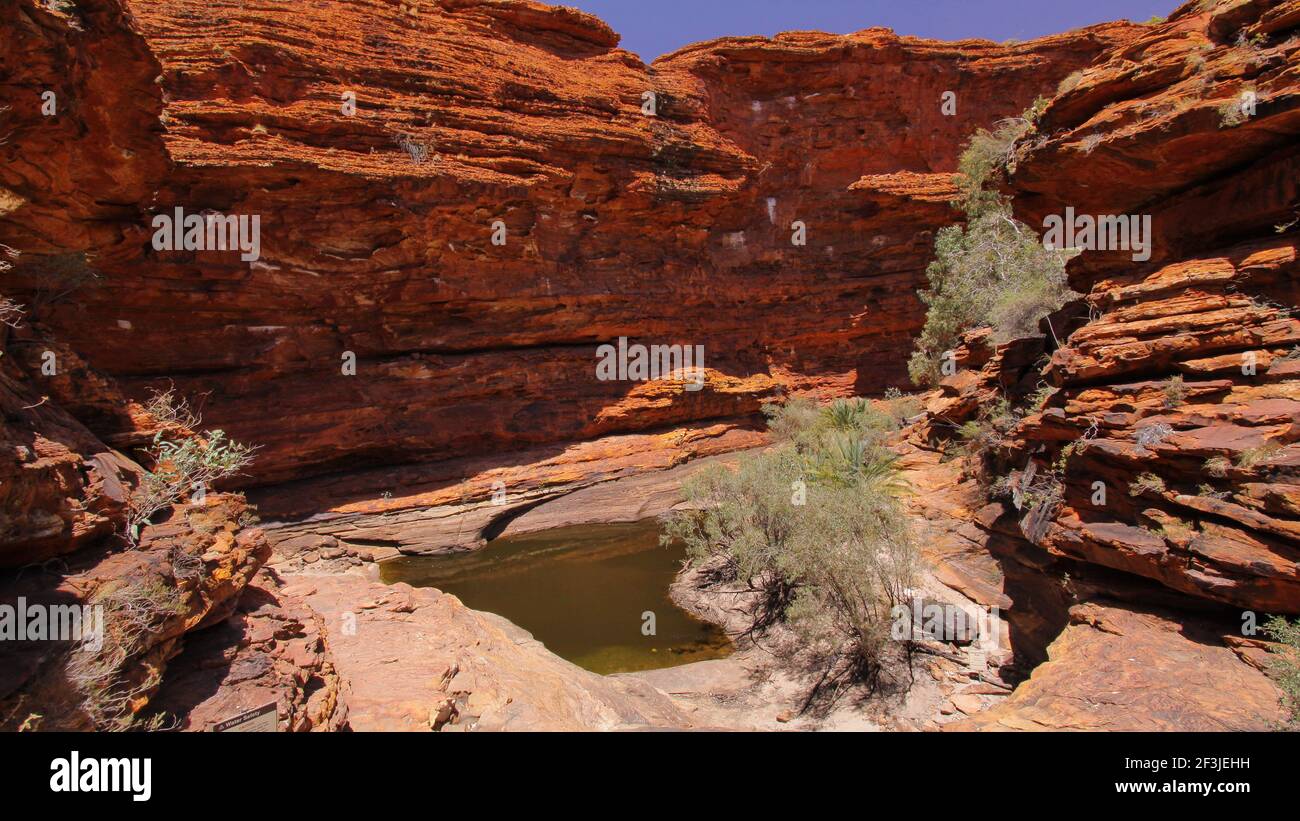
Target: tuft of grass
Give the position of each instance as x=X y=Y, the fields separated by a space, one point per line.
x=1070 y=83
x=1089 y=143
x=1175 y=392
x=1252 y=457
x=1146 y=483
x=1207 y=490
x=1152 y=435
x=1232 y=112
x=111 y=695
x=1218 y=466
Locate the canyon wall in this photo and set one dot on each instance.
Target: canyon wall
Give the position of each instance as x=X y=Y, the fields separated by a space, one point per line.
x=1188 y=367
x=1143 y=516
x=477 y=360
x=376 y=225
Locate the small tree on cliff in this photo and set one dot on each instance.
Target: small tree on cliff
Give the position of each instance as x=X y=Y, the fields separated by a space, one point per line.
x=182 y=464
x=992 y=270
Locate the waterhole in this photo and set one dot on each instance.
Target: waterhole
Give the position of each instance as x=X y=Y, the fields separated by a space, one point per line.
x=583 y=591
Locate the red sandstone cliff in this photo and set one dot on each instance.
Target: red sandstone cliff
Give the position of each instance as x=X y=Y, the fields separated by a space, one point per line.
x=477 y=360
x=673 y=229
x=1174 y=389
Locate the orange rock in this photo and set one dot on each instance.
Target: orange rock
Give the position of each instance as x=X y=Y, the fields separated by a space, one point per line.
x=376 y=225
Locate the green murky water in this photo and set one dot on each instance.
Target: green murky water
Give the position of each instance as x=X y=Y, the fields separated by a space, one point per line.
x=582 y=591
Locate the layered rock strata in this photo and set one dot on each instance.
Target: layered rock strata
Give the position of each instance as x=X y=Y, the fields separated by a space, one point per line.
x=376 y=219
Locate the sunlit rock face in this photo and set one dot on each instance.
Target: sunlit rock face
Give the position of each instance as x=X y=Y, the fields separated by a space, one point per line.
x=385 y=146
x=1189 y=367
x=1171 y=419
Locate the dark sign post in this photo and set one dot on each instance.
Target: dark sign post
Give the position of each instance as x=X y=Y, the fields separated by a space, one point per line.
x=262 y=719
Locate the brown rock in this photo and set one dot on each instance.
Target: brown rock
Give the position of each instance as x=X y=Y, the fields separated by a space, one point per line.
x=1125 y=670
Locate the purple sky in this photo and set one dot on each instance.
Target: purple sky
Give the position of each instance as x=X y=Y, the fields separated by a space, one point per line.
x=654 y=27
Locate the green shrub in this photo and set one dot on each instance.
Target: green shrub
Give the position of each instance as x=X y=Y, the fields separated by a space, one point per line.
x=199 y=460
x=855 y=561
x=814 y=526
x=180 y=465
x=992 y=271
x=744 y=519
x=1286 y=662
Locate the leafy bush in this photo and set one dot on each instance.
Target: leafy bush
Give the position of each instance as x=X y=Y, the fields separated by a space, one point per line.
x=1286 y=662
x=814 y=526
x=744 y=519
x=855 y=562
x=181 y=465
x=993 y=271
